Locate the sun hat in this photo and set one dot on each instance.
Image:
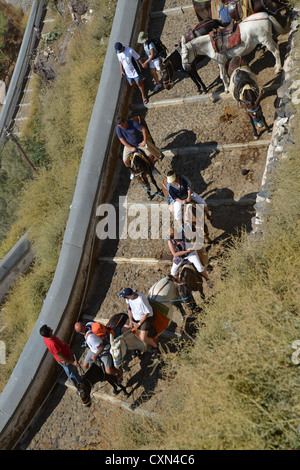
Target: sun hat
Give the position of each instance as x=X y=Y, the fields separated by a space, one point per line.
x=143 y=37
x=171 y=178
x=118 y=46
x=126 y=292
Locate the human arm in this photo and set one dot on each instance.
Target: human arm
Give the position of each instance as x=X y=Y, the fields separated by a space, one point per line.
x=150 y=57
x=67 y=360
x=141 y=321
x=145 y=135
x=99 y=351
x=129 y=313
x=121 y=69
x=123 y=141
x=177 y=253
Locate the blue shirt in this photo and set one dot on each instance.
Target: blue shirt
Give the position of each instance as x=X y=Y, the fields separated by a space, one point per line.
x=133 y=134
x=179 y=192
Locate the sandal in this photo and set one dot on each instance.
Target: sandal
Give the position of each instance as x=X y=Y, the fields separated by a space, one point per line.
x=146 y=101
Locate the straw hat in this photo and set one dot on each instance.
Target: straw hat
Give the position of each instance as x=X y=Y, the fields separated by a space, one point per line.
x=171 y=178
x=143 y=37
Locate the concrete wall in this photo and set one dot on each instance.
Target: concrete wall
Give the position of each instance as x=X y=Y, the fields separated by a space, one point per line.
x=35 y=371
x=14 y=263
x=21 y=67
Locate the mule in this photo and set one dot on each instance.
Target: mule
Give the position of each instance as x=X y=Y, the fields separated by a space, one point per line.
x=254 y=30
x=119 y=346
x=164 y=294
x=170 y=291
x=173 y=63
x=205 y=9
x=244 y=88
x=95 y=374
x=142 y=168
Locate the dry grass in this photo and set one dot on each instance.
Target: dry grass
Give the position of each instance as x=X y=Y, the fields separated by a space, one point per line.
x=236 y=387
x=64 y=113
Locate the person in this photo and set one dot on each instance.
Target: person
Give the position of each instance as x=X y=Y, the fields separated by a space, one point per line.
x=153 y=59
x=99 y=349
x=128 y=59
x=140 y=315
x=133 y=135
x=61 y=353
x=179 y=252
x=37 y=32
x=180 y=193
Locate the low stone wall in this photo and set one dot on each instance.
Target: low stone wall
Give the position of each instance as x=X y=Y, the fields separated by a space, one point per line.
x=288 y=97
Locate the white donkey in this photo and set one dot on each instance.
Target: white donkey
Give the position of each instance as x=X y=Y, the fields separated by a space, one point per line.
x=255 y=29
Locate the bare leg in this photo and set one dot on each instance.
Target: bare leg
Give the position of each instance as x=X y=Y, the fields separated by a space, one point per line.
x=141 y=87
x=155 y=76
x=146 y=339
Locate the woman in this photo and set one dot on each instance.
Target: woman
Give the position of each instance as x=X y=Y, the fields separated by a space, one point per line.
x=180 y=253
x=153 y=59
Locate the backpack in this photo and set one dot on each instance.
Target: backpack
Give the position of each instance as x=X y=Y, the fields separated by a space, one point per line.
x=101 y=330
x=160 y=48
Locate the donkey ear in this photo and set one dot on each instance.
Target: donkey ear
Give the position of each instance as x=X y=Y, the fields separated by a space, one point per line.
x=259 y=98
x=111 y=338
x=182 y=41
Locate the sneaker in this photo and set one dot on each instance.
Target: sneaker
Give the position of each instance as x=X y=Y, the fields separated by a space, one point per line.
x=131 y=176
x=157 y=87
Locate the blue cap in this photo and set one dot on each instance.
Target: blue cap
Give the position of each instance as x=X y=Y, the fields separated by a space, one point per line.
x=126 y=292
x=118 y=47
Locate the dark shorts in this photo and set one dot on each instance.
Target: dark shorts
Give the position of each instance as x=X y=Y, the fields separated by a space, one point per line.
x=105 y=357
x=146 y=325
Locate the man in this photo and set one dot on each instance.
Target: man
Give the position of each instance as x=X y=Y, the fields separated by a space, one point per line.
x=180 y=193
x=128 y=60
x=99 y=349
x=153 y=59
x=61 y=353
x=133 y=135
x=140 y=315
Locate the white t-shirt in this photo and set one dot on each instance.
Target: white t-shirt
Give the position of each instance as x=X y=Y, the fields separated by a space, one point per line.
x=93 y=341
x=139 y=307
x=125 y=58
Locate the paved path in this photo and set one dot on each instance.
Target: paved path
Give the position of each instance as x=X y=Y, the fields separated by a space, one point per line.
x=210 y=141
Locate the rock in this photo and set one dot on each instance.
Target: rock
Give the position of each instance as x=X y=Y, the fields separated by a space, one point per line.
x=42 y=67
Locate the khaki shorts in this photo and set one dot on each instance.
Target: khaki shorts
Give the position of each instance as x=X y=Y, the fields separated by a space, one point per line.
x=149 y=150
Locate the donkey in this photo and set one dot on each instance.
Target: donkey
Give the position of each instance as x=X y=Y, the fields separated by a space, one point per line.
x=254 y=30
x=142 y=168
x=95 y=374
x=244 y=88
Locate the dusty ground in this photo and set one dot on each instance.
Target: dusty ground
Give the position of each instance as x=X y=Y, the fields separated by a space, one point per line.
x=216 y=175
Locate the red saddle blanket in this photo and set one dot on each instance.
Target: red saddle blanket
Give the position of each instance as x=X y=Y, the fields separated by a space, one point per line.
x=222 y=42
x=160 y=320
